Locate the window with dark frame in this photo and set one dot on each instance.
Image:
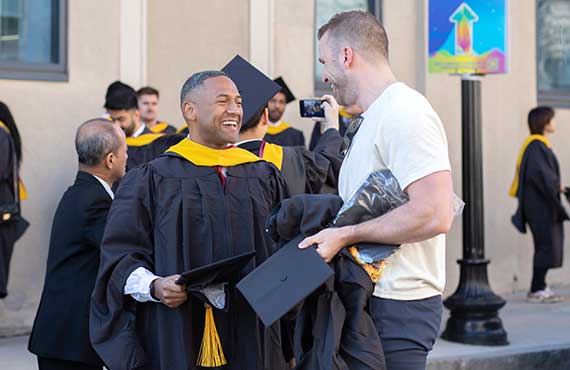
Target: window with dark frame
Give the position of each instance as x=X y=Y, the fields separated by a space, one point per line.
x=324 y=10
x=33 y=40
x=553 y=52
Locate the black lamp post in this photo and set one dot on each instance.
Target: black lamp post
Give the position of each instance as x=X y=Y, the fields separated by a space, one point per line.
x=474 y=308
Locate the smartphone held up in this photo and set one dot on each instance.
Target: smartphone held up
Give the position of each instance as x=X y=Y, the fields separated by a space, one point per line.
x=311 y=108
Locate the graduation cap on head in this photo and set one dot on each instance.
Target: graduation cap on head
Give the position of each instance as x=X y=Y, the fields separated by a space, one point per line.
x=285 y=90
x=209 y=283
x=284 y=280
x=120 y=96
x=255 y=87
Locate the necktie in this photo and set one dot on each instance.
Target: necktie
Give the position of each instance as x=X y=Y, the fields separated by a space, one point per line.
x=221 y=175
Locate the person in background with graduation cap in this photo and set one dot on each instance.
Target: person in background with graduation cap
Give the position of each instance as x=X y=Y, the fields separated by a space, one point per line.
x=537 y=187
x=148 y=107
x=122 y=107
x=11 y=188
x=279 y=132
x=199 y=203
x=304 y=171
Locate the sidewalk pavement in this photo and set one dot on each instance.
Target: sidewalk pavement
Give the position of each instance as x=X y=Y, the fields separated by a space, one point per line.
x=539 y=336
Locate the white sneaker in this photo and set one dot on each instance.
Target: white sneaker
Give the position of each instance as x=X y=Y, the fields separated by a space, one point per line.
x=544 y=296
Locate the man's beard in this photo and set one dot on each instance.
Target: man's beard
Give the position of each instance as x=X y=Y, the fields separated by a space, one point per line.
x=275 y=115
x=129 y=131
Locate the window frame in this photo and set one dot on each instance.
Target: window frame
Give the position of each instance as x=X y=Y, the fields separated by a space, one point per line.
x=319 y=87
x=556 y=98
x=43 y=71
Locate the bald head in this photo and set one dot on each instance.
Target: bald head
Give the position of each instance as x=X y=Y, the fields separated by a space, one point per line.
x=95 y=139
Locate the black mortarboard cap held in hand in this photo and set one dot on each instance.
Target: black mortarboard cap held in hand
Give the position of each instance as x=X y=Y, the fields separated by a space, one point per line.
x=201 y=283
x=284 y=280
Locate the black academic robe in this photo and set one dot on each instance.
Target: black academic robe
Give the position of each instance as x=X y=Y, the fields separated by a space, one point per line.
x=289 y=137
x=307 y=171
x=172 y=216
x=9 y=232
x=540 y=205
x=343 y=123
x=138 y=154
x=61 y=327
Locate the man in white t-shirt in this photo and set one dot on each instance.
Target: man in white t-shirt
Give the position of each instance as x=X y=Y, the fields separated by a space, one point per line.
x=399 y=131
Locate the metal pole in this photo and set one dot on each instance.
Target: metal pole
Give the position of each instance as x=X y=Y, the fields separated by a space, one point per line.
x=474 y=308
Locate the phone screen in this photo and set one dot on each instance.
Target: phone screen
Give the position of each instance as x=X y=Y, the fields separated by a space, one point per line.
x=311 y=108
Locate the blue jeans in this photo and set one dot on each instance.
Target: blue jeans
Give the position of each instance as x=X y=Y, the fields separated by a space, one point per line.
x=407 y=329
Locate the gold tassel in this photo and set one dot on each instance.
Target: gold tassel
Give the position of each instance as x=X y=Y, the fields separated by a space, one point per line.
x=211 y=352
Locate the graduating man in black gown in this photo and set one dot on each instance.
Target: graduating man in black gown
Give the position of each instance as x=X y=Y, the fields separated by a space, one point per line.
x=304 y=171
x=199 y=203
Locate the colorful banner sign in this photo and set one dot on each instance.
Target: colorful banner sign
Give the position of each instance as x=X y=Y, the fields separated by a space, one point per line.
x=467 y=36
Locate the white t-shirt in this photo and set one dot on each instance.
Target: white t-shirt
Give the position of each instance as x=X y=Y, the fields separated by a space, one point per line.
x=401 y=132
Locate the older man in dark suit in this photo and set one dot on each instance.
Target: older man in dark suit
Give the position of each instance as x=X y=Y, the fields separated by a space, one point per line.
x=60 y=336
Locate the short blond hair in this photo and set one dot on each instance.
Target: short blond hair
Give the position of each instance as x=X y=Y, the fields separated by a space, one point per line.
x=362 y=29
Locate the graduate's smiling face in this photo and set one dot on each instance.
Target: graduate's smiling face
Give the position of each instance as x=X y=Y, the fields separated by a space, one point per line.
x=214 y=113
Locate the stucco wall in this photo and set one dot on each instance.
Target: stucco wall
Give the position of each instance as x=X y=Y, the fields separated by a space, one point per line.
x=47 y=115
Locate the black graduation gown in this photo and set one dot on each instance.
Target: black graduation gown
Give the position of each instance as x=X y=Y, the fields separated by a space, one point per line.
x=138 y=154
x=172 y=216
x=540 y=205
x=11 y=232
x=343 y=123
x=307 y=171
x=289 y=137
x=61 y=327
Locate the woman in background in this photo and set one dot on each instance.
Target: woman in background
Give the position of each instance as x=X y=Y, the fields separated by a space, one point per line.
x=537 y=187
x=11 y=228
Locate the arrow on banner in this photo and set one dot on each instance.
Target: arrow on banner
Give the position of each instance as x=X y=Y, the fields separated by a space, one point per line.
x=463 y=17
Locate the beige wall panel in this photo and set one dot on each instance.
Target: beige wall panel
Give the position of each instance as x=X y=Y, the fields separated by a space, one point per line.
x=47 y=114
x=190 y=36
x=294 y=34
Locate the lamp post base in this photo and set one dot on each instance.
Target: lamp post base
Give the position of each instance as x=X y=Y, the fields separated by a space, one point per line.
x=474 y=308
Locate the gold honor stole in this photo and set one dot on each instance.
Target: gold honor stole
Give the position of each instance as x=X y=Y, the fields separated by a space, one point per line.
x=515 y=185
x=274 y=130
x=201 y=155
x=343 y=113
x=272 y=153
x=159 y=127
x=143 y=139
x=21 y=187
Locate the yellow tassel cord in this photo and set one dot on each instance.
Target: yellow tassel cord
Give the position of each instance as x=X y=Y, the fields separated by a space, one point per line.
x=374 y=270
x=211 y=352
